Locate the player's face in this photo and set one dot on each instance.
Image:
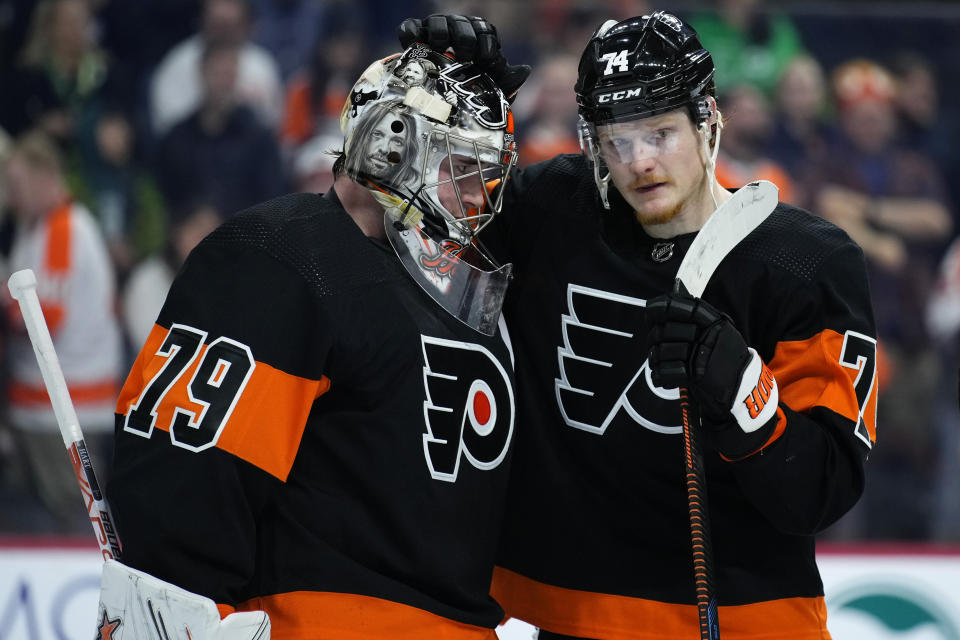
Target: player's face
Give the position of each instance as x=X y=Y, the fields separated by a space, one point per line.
x=656 y=164
x=386 y=146
x=23 y=187
x=465 y=171
x=413 y=74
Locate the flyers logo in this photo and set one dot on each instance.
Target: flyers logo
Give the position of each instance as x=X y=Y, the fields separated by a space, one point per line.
x=469 y=407
x=491 y=109
x=445 y=262
x=756 y=400
x=604 y=336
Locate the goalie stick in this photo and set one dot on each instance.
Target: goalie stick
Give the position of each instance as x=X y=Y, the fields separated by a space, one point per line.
x=23 y=288
x=727 y=226
x=142 y=605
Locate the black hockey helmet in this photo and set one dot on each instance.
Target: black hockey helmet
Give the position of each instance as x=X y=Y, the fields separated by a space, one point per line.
x=643 y=67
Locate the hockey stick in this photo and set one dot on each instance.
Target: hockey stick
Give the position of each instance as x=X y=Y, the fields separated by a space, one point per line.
x=23 y=288
x=724 y=230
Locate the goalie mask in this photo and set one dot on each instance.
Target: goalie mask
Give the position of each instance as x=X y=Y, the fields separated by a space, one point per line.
x=432 y=139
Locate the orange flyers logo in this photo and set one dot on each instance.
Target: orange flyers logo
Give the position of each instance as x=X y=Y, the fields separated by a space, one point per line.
x=445 y=262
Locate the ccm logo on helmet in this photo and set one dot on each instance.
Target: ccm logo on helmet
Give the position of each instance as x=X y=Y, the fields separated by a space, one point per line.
x=619 y=96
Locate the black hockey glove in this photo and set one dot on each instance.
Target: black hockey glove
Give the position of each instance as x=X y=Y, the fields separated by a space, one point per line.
x=472 y=39
x=694 y=345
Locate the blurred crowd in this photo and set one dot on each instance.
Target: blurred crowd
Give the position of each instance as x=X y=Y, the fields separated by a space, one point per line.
x=129 y=130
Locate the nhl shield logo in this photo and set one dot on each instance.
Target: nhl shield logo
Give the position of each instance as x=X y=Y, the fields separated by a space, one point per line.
x=662 y=251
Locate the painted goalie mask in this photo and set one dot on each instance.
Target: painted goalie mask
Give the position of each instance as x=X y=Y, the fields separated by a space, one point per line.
x=432 y=139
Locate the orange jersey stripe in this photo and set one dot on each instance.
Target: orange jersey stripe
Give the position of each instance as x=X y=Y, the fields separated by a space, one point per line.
x=100 y=391
x=271 y=398
x=307 y=615
x=809 y=374
x=58 y=240
x=57 y=261
x=53 y=315
x=612 y=617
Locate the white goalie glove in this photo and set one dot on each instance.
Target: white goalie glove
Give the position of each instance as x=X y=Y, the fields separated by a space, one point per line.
x=137 y=606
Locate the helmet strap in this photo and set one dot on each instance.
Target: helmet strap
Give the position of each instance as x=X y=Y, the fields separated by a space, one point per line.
x=707 y=132
x=586 y=134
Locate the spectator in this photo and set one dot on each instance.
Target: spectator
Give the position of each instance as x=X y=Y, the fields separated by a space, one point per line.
x=138 y=35
x=221 y=154
x=923 y=125
x=289 y=30
x=884 y=196
x=123 y=194
x=549 y=110
x=61 y=70
x=147 y=286
x=14 y=23
x=801 y=131
x=746 y=131
x=748 y=45
x=176 y=85
x=313 y=162
x=6 y=222
x=316 y=95
x=917 y=98
x=943 y=323
x=59 y=240
x=892 y=202
x=4 y=152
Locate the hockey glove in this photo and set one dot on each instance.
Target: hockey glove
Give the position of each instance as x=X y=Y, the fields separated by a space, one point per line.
x=472 y=39
x=135 y=605
x=694 y=345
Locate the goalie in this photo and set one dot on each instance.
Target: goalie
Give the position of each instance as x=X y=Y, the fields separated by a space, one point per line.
x=319 y=426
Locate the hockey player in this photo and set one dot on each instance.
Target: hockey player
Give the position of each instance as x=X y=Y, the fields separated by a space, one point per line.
x=320 y=424
x=779 y=356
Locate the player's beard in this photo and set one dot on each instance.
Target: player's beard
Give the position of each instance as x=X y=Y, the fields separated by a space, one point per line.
x=663 y=217
x=658 y=217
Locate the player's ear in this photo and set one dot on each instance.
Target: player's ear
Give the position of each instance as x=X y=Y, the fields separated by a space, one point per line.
x=707 y=112
x=715 y=114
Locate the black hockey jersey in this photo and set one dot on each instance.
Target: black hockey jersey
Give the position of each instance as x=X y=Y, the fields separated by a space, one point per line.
x=597 y=538
x=306 y=432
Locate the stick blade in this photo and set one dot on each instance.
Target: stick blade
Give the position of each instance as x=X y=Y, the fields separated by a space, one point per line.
x=732 y=222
